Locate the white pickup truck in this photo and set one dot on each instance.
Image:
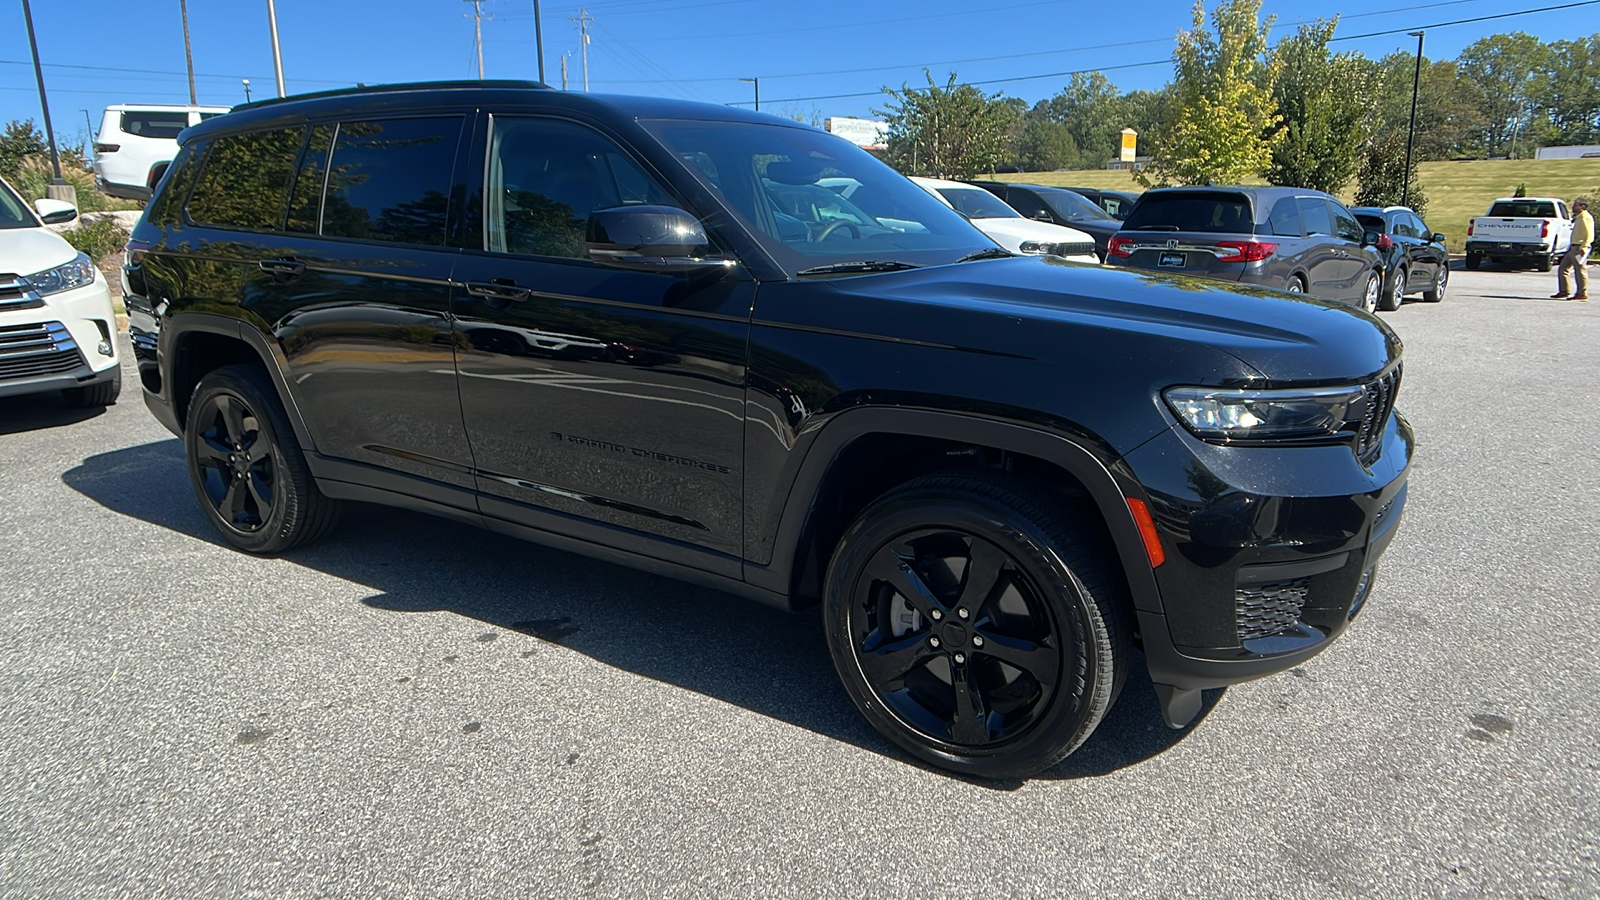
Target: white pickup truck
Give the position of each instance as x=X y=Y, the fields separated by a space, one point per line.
x=1521 y=230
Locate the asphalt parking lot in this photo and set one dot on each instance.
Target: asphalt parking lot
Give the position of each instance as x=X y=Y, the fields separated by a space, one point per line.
x=417 y=708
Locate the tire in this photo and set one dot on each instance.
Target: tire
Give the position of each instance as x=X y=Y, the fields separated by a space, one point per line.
x=1370 y=293
x=103 y=394
x=919 y=669
x=1441 y=280
x=1474 y=260
x=1391 y=299
x=1544 y=264
x=1295 y=285
x=246 y=465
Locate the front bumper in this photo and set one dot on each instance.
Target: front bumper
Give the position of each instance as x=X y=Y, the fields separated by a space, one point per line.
x=1271 y=552
x=65 y=340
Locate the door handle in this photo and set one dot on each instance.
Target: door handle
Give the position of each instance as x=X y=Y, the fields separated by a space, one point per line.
x=283 y=268
x=498 y=291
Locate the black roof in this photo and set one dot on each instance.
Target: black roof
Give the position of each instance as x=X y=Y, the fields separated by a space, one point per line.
x=398 y=98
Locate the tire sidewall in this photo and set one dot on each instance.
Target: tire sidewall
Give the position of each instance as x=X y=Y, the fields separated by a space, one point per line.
x=1074 y=710
x=272 y=535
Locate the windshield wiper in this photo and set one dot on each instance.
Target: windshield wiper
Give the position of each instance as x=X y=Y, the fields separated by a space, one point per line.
x=990 y=253
x=869 y=265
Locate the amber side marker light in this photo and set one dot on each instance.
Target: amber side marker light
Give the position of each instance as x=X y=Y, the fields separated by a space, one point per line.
x=1147 y=531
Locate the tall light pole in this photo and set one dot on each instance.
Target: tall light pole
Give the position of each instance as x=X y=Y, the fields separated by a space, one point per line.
x=277 y=54
x=188 y=53
x=44 y=106
x=538 y=37
x=1411 y=129
x=757 y=83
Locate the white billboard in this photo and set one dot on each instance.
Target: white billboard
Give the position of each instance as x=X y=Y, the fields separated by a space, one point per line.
x=861 y=132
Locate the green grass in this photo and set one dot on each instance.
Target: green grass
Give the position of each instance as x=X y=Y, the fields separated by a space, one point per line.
x=1456 y=191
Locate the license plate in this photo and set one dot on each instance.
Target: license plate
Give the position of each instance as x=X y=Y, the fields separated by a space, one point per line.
x=1177 y=260
x=1505 y=246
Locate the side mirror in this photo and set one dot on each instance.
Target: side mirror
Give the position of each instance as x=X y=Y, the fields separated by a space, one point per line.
x=1371 y=239
x=54 y=212
x=661 y=239
x=1438 y=237
x=1042 y=217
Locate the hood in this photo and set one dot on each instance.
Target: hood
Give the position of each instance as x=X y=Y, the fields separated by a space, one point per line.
x=1010 y=233
x=28 y=251
x=1286 y=338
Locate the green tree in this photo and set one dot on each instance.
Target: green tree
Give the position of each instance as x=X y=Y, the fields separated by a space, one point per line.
x=1383 y=176
x=1094 y=112
x=1223 y=125
x=1505 y=68
x=1324 y=106
x=21 y=140
x=1568 y=92
x=1044 y=145
x=954 y=131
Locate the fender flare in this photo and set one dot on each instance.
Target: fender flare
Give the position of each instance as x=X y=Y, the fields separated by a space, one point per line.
x=1107 y=494
x=270 y=354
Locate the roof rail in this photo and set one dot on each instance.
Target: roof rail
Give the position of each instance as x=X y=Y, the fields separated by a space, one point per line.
x=499 y=84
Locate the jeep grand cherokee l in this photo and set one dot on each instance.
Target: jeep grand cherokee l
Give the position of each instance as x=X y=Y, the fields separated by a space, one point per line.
x=604 y=323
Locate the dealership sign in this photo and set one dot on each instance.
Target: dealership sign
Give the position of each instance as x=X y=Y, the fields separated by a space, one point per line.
x=861 y=132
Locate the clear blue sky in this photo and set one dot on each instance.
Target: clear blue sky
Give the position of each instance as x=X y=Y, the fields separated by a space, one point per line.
x=696 y=49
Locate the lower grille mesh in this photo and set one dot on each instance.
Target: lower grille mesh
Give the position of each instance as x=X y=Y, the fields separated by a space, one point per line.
x=1269 y=608
x=30 y=351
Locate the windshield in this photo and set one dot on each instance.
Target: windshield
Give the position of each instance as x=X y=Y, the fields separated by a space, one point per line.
x=977 y=203
x=1074 y=207
x=13 y=212
x=814 y=199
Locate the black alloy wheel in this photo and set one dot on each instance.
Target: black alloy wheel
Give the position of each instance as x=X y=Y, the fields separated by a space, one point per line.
x=975 y=625
x=1391 y=299
x=1441 y=280
x=247 y=468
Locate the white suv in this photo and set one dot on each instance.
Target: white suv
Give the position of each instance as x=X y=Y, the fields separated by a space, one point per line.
x=137 y=143
x=57 y=330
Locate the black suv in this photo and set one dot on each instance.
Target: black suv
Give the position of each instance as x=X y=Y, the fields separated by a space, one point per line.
x=609 y=324
x=1291 y=239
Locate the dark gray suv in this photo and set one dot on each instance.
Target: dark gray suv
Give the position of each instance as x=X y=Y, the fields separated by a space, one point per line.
x=1291 y=239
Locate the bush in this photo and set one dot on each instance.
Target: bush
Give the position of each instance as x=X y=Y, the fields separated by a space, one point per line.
x=35 y=173
x=97 y=236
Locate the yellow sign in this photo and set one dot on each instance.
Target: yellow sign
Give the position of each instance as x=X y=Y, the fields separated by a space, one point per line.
x=1130 y=145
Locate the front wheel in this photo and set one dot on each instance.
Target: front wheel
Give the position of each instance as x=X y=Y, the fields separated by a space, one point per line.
x=1395 y=295
x=1369 y=294
x=976 y=626
x=1441 y=279
x=103 y=394
x=247 y=467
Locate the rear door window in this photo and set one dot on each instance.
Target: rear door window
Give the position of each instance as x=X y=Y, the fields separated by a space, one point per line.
x=164 y=125
x=1218 y=212
x=245 y=180
x=1027 y=203
x=1284 y=221
x=389 y=180
x=1314 y=215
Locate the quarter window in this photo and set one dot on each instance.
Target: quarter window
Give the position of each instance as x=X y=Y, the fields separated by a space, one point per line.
x=1285 y=218
x=546 y=177
x=245 y=182
x=389 y=180
x=164 y=125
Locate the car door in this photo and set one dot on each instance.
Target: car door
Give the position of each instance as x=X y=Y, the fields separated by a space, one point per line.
x=1406 y=230
x=352 y=278
x=1355 y=260
x=1325 y=267
x=1431 y=253
x=589 y=392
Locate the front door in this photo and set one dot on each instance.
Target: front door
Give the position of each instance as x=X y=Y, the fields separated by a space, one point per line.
x=592 y=392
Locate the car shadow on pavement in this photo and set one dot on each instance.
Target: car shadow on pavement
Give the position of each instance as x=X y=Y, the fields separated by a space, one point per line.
x=764 y=660
x=34 y=412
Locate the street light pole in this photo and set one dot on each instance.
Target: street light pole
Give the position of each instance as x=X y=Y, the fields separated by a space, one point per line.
x=277 y=54
x=538 y=37
x=757 y=83
x=44 y=104
x=188 y=53
x=1411 y=129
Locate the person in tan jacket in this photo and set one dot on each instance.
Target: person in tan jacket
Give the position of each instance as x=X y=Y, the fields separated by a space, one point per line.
x=1577 y=256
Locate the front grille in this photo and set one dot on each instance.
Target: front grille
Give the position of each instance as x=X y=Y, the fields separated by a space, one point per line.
x=16 y=293
x=1379 y=403
x=1268 y=609
x=31 y=351
x=1082 y=248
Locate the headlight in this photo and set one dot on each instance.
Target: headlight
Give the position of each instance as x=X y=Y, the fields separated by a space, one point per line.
x=74 y=274
x=1306 y=414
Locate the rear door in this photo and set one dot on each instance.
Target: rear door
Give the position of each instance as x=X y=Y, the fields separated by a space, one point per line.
x=1355 y=260
x=1325 y=260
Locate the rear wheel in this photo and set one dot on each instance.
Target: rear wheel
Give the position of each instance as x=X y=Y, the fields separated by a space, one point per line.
x=247 y=467
x=1441 y=279
x=976 y=626
x=1474 y=260
x=1295 y=285
x=1395 y=295
x=1369 y=294
x=1546 y=263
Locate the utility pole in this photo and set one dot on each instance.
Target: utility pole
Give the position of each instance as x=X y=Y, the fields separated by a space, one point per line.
x=1411 y=130
x=538 y=38
x=477 y=22
x=563 y=71
x=757 y=83
x=57 y=189
x=188 y=54
x=246 y=82
x=277 y=54
x=583 y=21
